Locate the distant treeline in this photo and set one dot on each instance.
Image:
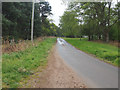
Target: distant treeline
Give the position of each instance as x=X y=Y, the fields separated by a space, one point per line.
x=16 y=21
x=97 y=20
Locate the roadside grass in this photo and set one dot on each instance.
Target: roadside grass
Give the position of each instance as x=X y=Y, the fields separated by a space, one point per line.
x=19 y=65
x=105 y=52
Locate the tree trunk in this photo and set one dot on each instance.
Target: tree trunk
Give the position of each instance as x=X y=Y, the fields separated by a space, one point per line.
x=99 y=37
x=89 y=38
x=92 y=37
x=107 y=37
x=108 y=29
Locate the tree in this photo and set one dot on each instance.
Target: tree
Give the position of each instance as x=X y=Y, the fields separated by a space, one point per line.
x=97 y=18
x=16 y=20
x=69 y=24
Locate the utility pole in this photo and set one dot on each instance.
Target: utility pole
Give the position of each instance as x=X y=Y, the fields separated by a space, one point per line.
x=32 y=21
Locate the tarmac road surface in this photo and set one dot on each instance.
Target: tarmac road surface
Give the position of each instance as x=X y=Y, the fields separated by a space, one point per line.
x=95 y=73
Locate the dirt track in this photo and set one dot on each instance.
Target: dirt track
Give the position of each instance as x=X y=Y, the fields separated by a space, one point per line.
x=56 y=75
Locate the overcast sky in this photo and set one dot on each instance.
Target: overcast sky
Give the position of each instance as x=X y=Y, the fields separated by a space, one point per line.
x=58 y=9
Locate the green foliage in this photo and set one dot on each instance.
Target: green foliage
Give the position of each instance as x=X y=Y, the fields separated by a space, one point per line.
x=18 y=15
x=113 y=34
x=105 y=52
x=45 y=8
x=69 y=24
x=18 y=65
x=96 y=20
x=16 y=22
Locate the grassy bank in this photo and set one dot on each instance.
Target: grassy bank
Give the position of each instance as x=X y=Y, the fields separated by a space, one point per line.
x=105 y=52
x=18 y=65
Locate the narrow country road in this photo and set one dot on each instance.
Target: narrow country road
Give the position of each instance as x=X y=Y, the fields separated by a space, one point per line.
x=96 y=73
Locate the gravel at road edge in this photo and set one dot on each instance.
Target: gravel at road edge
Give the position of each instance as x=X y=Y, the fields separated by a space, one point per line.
x=56 y=75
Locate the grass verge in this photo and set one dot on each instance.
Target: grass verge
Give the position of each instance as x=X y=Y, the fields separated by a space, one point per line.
x=105 y=52
x=18 y=65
